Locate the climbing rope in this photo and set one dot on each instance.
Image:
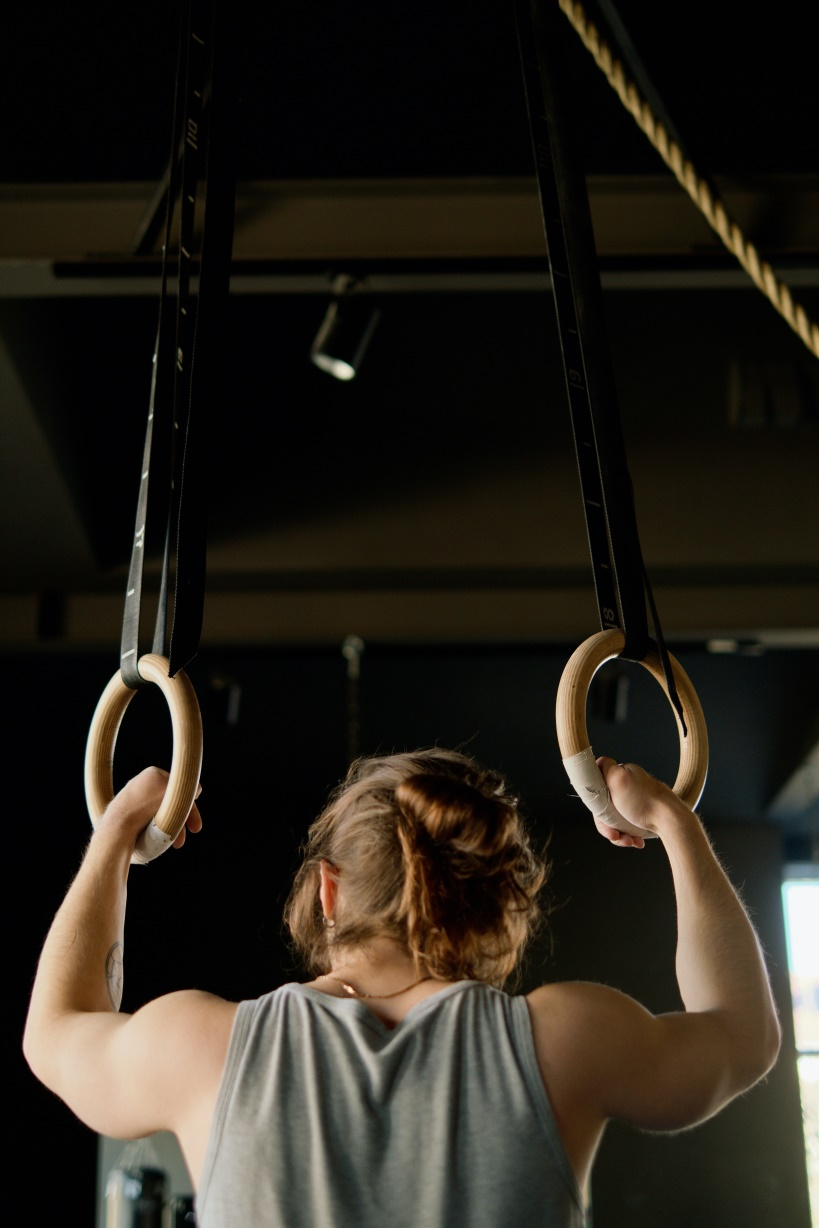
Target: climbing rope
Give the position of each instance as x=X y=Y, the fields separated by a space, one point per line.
x=711 y=207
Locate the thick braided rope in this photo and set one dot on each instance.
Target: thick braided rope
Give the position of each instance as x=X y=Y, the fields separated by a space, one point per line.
x=711 y=207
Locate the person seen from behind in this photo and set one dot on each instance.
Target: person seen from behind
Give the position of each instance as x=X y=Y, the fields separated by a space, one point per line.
x=406 y=1085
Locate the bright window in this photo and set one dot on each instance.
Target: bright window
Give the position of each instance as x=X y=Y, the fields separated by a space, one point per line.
x=801 y=900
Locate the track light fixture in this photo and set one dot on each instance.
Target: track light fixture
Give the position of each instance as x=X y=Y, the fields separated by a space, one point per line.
x=345 y=332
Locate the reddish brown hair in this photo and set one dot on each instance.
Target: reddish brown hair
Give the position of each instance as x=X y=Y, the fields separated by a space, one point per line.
x=430 y=850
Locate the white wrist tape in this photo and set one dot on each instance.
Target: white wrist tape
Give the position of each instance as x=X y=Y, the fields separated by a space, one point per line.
x=588 y=781
x=151 y=843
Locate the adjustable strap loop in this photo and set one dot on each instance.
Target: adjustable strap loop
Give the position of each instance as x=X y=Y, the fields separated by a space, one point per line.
x=174 y=440
x=156 y=475
x=620 y=579
x=203 y=389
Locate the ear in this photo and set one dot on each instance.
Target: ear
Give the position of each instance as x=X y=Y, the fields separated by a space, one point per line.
x=328 y=888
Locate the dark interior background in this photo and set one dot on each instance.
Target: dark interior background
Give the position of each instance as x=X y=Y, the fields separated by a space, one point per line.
x=431 y=505
x=211 y=915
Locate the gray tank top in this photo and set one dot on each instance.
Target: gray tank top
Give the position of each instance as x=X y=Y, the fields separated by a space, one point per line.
x=329 y=1119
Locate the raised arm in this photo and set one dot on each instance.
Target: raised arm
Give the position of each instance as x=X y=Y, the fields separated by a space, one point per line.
x=604 y=1056
x=720 y=968
x=123 y=1075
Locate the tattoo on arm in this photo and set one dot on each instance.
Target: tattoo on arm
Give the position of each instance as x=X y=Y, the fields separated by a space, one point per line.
x=113 y=974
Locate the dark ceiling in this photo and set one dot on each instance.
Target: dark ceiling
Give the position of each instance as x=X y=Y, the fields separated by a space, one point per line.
x=363 y=90
x=434 y=498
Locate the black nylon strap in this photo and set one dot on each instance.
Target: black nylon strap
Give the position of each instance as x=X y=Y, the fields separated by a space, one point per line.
x=169 y=458
x=620 y=577
x=157 y=459
x=206 y=344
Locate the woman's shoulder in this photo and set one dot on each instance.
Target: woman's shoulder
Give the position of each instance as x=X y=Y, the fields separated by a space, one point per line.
x=572 y=999
x=574 y=1017
x=575 y=997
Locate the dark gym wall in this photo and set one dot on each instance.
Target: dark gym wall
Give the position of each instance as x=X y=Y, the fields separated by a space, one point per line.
x=276 y=740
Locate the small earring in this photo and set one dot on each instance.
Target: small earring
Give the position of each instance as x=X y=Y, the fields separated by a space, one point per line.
x=329 y=922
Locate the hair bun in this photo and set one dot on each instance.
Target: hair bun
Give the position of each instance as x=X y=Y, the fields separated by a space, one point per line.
x=452 y=811
x=430 y=851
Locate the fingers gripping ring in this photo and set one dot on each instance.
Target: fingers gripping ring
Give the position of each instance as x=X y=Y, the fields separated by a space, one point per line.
x=186 y=765
x=573 y=739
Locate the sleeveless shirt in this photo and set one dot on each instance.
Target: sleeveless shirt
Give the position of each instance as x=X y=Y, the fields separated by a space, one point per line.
x=328 y=1118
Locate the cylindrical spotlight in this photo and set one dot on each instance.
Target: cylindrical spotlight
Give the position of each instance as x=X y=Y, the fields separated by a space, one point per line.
x=345 y=333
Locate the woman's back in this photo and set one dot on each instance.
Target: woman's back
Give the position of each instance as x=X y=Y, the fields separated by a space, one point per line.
x=328 y=1116
x=307 y=1108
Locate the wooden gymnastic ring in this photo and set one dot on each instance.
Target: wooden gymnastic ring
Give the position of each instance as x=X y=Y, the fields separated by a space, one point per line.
x=572 y=734
x=186 y=764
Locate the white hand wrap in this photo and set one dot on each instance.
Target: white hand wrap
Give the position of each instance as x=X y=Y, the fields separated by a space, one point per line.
x=151 y=843
x=588 y=781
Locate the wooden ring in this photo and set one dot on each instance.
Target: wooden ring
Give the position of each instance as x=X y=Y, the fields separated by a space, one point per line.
x=572 y=734
x=186 y=764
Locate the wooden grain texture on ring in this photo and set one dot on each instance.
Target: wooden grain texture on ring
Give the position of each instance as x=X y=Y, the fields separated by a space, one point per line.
x=572 y=693
x=186 y=763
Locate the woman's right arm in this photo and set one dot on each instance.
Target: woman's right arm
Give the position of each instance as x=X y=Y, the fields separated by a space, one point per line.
x=605 y=1056
x=124 y=1075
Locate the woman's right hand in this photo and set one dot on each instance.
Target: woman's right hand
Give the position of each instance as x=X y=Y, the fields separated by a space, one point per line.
x=636 y=796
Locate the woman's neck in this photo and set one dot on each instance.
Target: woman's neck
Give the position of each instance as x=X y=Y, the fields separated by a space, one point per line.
x=383 y=976
x=382 y=964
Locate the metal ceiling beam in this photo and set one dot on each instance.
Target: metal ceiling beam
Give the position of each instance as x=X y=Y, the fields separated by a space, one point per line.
x=332 y=221
x=116 y=279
